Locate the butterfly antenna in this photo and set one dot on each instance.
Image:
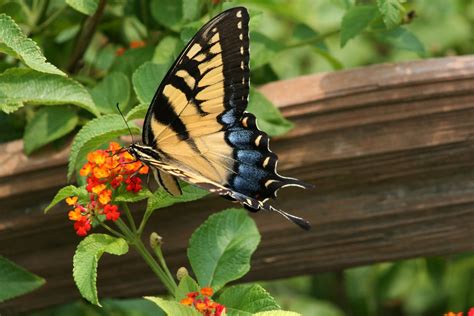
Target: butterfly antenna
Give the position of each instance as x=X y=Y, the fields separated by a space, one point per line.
x=123 y=117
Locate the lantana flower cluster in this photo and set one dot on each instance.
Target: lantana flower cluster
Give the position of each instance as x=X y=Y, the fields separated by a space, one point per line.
x=106 y=171
x=201 y=301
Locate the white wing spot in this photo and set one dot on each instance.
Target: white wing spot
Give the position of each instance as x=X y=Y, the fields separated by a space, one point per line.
x=241 y=50
x=239 y=25
x=241 y=37
x=239 y=14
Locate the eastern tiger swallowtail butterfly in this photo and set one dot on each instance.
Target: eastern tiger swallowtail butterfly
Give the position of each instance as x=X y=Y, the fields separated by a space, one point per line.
x=196 y=128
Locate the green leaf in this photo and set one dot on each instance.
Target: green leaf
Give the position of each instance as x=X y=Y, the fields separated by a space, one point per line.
x=185 y=286
x=137 y=112
x=65 y=192
x=47 y=125
x=67 y=34
x=172 y=308
x=263 y=49
x=146 y=80
x=356 y=20
x=95 y=133
x=87 y=7
x=132 y=59
x=191 y=9
x=167 y=50
x=220 y=249
x=132 y=197
x=269 y=118
x=168 y=13
x=20 y=86
x=303 y=32
x=86 y=259
x=392 y=11
x=277 y=313
x=113 y=89
x=15 y=280
x=247 y=299
x=161 y=198
x=403 y=39
x=24 y=48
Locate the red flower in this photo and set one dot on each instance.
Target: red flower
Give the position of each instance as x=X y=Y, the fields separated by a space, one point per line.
x=471 y=312
x=133 y=184
x=82 y=226
x=111 y=212
x=201 y=302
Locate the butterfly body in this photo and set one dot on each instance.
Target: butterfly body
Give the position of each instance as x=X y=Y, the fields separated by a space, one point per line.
x=197 y=129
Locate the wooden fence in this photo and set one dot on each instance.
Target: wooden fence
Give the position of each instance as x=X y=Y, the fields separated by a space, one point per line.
x=390 y=149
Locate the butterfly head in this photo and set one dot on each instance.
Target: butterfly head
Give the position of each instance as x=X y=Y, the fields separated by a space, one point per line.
x=145 y=154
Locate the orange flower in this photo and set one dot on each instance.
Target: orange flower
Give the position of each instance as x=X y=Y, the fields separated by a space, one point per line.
x=98 y=188
x=75 y=214
x=86 y=169
x=120 y=51
x=207 y=291
x=101 y=172
x=105 y=196
x=187 y=301
x=72 y=200
x=137 y=44
x=106 y=171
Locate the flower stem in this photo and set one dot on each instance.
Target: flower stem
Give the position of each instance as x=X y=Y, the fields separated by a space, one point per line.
x=135 y=241
x=161 y=260
x=128 y=213
x=111 y=230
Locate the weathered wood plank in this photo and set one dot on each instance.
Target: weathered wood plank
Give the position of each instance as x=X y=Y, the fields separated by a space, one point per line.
x=390 y=149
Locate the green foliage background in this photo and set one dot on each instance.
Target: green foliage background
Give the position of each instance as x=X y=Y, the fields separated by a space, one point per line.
x=289 y=38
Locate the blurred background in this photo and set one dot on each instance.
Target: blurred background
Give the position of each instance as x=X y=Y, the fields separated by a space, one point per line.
x=294 y=38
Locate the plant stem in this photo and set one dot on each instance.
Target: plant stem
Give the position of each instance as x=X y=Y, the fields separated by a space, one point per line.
x=111 y=230
x=135 y=241
x=85 y=37
x=161 y=260
x=313 y=40
x=130 y=217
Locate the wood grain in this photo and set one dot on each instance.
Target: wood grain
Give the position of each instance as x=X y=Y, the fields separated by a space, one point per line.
x=390 y=149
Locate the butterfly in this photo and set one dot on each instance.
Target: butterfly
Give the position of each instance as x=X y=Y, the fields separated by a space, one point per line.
x=197 y=130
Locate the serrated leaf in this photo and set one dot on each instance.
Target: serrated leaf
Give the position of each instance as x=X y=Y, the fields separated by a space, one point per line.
x=403 y=39
x=65 y=192
x=391 y=11
x=168 y=13
x=137 y=112
x=247 y=299
x=95 y=133
x=269 y=118
x=172 y=308
x=25 y=48
x=132 y=197
x=220 y=249
x=86 y=259
x=87 y=7
x=15 y=280
x=356 y=20
x=161 y=198
x=146 y=80
x=186 y=285
x=48 y=124
x=20 y=86
x=263 y=49
x=167 y=50
x=113 y=89
x=277 y=313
